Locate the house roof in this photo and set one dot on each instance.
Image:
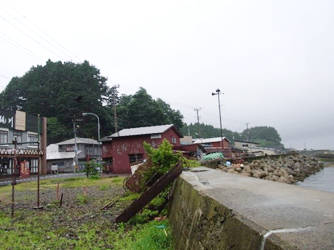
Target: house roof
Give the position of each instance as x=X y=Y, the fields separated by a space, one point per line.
x=145 y=131
x=252 y=142
x=52 y=153
x=106 y=138
x=79 y=141
x=209 y=140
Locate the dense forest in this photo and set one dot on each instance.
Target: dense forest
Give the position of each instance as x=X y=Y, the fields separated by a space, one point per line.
x=62 y=91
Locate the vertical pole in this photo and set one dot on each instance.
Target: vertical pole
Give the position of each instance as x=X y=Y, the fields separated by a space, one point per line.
x=98 y=137
x=115 y=117
x=220 y=119
x=75 y=147
x=13 y=177
x=38 y=160
x=199 y=134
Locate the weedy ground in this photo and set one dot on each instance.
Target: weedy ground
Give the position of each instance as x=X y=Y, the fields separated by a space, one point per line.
x=80 y=222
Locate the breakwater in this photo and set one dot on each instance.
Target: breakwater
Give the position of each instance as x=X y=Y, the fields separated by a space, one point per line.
x=286 y=169
x=211 y=209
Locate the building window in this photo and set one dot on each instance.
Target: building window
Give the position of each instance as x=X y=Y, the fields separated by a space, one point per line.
x=156 y=136
x=3 y=136
x=173 y=140
x=32 y=137
x=136 y=158
x=18 y=136
x=34 y=166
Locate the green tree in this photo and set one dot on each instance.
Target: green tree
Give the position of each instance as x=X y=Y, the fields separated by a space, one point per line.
x=140 y=110
x=63 y=91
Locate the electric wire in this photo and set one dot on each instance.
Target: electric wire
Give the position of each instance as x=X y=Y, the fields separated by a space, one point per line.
x=4 y=76
x=31 y=37
x=35 y=33
x=32 y=54
x=19 y=50
x=42 y=31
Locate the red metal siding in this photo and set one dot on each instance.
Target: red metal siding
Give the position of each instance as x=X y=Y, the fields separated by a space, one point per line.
x=226 y=143
x=123 y=146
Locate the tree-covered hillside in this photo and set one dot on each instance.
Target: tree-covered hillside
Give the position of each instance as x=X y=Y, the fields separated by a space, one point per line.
x=62 y=91
x=266 y=136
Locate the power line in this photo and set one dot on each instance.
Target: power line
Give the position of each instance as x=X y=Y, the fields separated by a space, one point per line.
x=31 y=38
x=36 y=57
x=17 y=49
x=34 y=32
x=42 y=31
x=4 y=76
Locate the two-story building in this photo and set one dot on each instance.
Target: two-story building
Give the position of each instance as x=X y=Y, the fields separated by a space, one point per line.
x=125 y=148
x=23 y=140
x=63 y=155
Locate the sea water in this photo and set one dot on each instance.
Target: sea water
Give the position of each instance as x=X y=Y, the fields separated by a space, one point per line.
x=322 y=180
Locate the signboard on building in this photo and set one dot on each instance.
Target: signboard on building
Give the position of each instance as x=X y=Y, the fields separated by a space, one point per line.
x=20 y=120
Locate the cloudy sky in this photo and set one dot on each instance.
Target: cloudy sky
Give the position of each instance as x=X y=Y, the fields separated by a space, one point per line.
x=273 y=60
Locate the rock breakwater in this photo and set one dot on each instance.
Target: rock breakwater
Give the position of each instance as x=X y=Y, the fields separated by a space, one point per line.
x=286 y=169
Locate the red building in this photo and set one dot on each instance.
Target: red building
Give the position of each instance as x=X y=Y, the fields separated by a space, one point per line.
x=123 y=149
x=214 y=142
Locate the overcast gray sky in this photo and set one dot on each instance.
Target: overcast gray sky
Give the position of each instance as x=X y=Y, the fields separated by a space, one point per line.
x=273 y=60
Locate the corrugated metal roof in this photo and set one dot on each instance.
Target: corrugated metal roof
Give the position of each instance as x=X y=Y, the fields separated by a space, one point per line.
x=143 y=130
x=208 y=140
x=79 y=141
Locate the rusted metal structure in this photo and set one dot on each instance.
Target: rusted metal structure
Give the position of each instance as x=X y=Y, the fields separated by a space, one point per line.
x=150 y=194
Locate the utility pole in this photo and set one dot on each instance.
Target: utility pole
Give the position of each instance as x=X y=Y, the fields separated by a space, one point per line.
x=114 y=101
x=199 y=134
x=220 y=118
x=75 y=147
x=248 y=138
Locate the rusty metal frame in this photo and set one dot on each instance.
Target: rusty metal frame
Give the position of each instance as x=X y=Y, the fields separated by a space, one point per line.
x=150 y=194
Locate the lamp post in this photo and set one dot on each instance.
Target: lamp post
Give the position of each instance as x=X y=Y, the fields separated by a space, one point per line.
x=220 y=119
x=98 y=131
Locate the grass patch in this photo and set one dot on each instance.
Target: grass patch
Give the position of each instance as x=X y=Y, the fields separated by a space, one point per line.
x=76 y=226
x=150 y=236
x=117 y=180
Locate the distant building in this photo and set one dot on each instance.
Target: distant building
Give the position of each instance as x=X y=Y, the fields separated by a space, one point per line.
x=186 y=140
x=213 y=142
x=63 y=156
x=254 y=148
x=123 y=149
x=27 y=131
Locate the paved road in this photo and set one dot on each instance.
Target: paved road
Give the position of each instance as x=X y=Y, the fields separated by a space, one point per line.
x=8 y=181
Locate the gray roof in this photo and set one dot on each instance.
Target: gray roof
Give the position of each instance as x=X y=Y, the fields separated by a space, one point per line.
x=209 y=140
x=79 y=141
x=145 y=131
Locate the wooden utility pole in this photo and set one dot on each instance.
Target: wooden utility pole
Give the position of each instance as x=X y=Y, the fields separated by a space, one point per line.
x=114 y=96
x=199 y=133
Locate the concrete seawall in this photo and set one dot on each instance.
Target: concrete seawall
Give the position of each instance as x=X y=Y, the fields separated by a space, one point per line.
x=212 y=209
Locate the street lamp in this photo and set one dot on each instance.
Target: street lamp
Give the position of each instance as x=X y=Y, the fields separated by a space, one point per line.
x=98 y=131
x=220 y=119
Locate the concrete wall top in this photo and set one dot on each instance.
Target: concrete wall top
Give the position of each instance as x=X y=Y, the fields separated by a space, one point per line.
x=302 y=217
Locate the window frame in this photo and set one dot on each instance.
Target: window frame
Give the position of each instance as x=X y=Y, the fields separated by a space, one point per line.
x=32 y=145
x=3 y=131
